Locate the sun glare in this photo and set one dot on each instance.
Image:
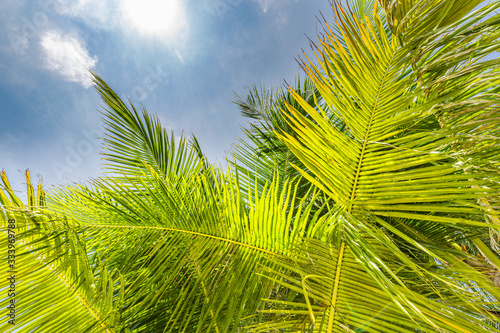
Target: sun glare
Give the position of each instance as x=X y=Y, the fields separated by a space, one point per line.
x=159 y=17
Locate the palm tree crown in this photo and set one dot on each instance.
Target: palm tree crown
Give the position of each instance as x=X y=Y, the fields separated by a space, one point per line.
x=363 y=199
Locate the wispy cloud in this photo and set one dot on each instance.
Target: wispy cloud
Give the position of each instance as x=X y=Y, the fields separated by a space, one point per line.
x=103 y=14
x=68 y=56
x=264 y=4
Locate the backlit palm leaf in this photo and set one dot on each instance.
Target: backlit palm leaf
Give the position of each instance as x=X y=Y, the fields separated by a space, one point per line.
x=367 y=208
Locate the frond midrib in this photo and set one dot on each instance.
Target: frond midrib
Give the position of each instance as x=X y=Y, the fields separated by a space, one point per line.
x=227 y=240
x=367 y=133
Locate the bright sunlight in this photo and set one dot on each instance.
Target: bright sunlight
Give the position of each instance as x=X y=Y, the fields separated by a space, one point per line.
x=164 y=18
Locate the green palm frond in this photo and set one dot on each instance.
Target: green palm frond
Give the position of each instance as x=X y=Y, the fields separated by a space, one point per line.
x=135 y=138
x=257 y=159
x=328 y=289
x=49 y=268
x=396 y=160
x=193 y=243
x=181 y=236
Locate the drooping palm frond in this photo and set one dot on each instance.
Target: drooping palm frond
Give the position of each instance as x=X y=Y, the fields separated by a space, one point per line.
x=191 y=248
x=184 y=247
x=186 y=242
x=134 y=139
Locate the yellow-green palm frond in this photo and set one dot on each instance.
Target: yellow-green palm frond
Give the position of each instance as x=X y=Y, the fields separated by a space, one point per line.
x=49 y=273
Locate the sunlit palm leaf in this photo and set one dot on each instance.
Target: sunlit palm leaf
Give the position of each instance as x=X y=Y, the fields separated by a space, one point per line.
x=51 y=271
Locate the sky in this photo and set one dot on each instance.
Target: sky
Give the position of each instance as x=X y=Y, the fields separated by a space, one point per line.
x=180 y=59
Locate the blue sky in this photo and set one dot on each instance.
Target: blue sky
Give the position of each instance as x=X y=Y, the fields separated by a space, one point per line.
x=181 y=59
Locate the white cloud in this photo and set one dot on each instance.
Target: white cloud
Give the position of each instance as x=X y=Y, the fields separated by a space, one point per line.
x=68 y=56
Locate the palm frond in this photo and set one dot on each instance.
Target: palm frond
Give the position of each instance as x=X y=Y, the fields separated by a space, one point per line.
x=135 y=138
x=49 y=271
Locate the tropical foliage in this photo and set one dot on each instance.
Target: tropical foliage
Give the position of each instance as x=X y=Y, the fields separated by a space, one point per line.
x=364 y=198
